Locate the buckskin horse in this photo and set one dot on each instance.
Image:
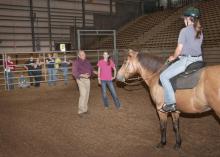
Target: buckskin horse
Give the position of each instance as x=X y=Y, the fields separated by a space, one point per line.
x=203 y=97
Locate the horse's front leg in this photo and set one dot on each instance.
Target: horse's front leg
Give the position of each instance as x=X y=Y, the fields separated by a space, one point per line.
x=175 y=117
x=163 y=128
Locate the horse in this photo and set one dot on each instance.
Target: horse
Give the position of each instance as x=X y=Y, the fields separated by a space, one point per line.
x=205 y=96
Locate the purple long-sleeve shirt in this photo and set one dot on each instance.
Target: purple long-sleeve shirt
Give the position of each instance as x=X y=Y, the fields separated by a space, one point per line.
x=81 y=67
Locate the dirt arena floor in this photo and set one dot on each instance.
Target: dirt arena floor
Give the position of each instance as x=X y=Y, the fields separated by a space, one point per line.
x=43 y=122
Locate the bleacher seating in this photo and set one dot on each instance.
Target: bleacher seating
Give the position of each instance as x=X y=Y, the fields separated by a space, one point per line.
x=160 y=30
x=136 y=28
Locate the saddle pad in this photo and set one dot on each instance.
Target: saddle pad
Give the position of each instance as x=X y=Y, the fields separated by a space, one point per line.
x=186 y=81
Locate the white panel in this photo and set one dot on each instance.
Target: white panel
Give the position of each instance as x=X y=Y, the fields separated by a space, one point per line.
x=14 y=13
x=99 y=1
x=41 y=30
x=14 y=18
x=79 y=25
x=42 y=24
x=113 y=7
x=90 y=24
x=67 y=5
x=45 y=49
x=16 y=30
x=16 y=43
x=44 y=43
x=90 y=17
x=40 y=3
x=14 y=23
x=96 y=7
x=29 y=49
x=15 y=2
x=61 y=31
x=163 y=3
x=63 y=24
x=41 y=14
x=12 y=36
x=64 y=14
x=61 y=35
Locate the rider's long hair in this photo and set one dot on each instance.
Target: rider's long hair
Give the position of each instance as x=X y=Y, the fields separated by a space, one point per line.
x=197 y=26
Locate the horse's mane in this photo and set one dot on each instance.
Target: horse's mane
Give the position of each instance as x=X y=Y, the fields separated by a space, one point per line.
x=150 y=62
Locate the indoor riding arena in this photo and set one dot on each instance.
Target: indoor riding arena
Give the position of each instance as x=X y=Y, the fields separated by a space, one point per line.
x=40 y=44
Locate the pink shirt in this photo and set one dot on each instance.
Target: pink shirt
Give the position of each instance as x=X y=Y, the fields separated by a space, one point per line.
x=9 y=66
x=105 y=69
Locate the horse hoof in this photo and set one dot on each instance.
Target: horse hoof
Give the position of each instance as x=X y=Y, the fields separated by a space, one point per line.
x=160 y=145
x=176 y=147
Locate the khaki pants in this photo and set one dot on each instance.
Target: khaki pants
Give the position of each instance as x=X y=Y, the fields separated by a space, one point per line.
x=84 y=89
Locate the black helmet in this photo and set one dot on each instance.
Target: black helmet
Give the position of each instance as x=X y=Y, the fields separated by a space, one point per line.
x=192 y=12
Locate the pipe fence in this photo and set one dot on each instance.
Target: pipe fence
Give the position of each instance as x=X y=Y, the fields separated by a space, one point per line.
x=34 y=72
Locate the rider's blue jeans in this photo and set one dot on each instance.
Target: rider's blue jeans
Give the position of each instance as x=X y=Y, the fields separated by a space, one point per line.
x=173 y=70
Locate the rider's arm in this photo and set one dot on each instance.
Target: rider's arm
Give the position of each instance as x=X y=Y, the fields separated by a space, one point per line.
x=178 y=50
x=176 y=53
x=181 y=42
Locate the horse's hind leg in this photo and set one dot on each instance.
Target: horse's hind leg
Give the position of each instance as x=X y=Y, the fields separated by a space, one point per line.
x=163 y=128
x=175 y=117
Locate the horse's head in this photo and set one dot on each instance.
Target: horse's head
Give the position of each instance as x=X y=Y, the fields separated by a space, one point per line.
x=129 y=67
x=143 y=64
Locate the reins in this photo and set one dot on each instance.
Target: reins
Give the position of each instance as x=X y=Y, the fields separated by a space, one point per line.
x=140 y=79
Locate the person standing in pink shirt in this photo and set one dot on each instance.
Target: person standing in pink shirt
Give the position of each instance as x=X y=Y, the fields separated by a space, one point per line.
x=105 y=68
x=9 y=73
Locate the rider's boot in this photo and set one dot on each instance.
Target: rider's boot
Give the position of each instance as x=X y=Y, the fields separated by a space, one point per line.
x=168 y=108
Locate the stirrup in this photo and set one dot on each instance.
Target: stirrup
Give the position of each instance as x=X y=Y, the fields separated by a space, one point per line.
x=168 y=108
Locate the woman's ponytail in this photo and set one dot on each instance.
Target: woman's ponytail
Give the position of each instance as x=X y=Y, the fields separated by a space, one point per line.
x=198 y=28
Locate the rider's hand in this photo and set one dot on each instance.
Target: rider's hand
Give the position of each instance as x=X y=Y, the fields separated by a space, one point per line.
x=171 y=58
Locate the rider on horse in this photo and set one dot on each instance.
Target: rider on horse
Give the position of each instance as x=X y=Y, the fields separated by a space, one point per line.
x=187 y=51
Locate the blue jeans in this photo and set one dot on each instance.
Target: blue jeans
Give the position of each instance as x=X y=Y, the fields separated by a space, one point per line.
x=31 y=76
x=55 y=75
x=9 y=80
x=104 y=83
x=173 y=70
x=51 y=76
x=65 y=74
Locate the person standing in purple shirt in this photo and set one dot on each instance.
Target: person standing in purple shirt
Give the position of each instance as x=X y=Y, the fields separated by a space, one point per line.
x=82 y=71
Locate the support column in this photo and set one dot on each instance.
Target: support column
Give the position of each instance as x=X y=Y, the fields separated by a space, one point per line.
x=83 y=14
x=49 y=25
x=32 y=25
x=110 y=3
x=78 y=40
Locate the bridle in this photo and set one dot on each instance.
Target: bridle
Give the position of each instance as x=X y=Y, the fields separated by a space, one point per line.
x=138 y=80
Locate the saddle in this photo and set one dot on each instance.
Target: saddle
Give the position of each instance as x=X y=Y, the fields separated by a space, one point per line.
x=189 y=78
